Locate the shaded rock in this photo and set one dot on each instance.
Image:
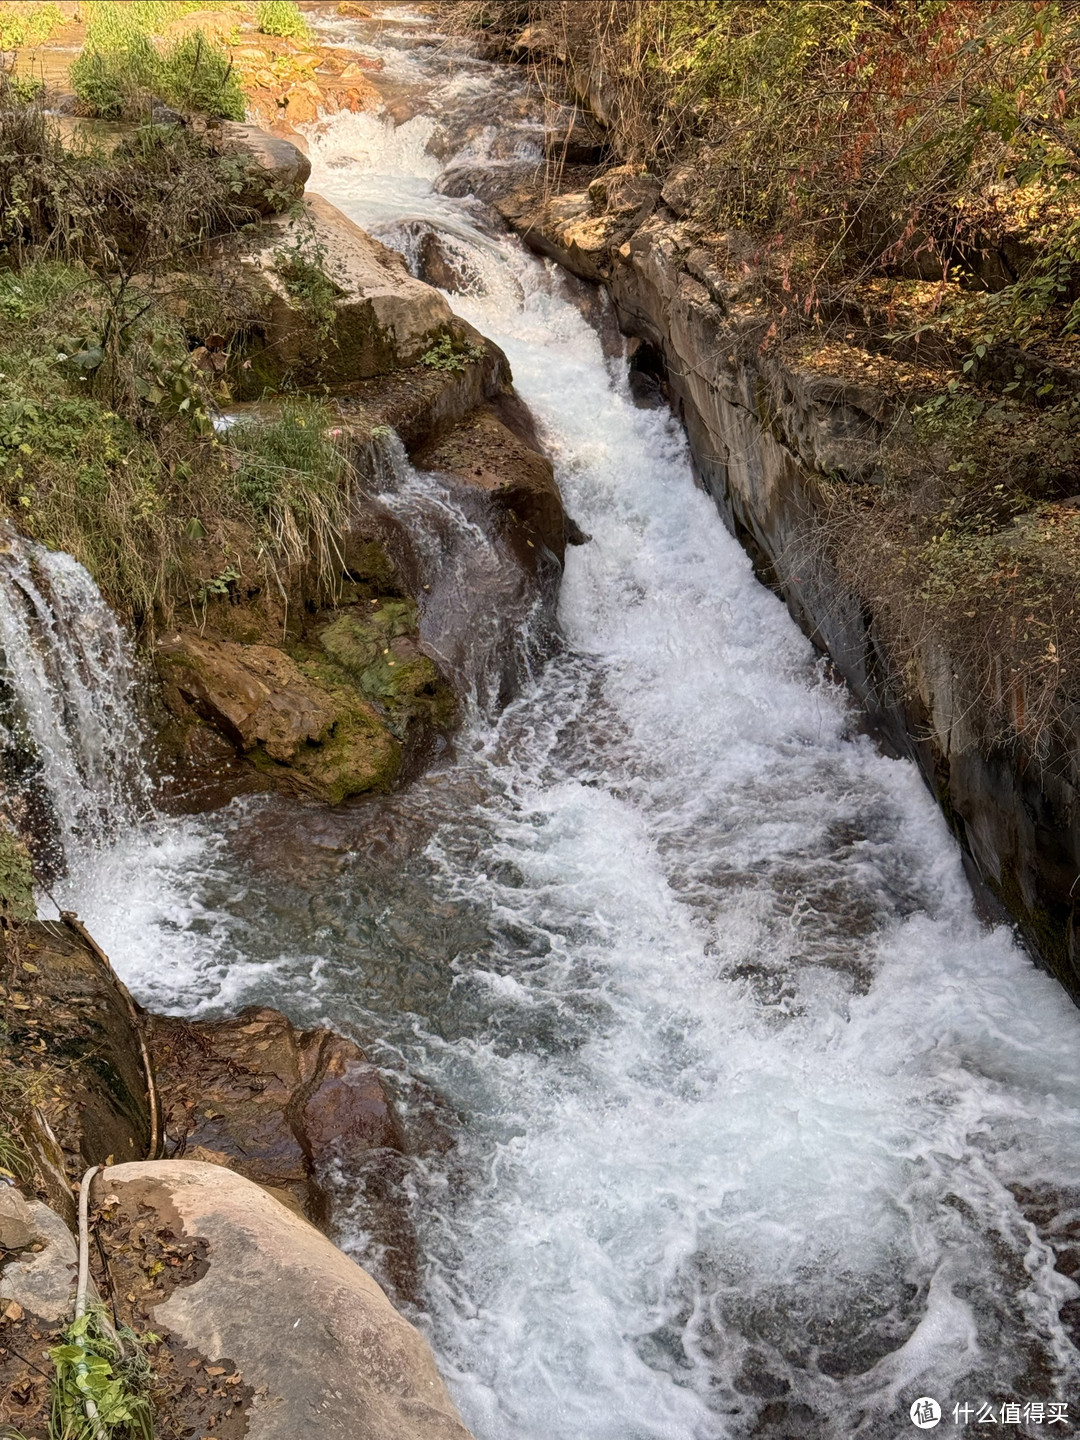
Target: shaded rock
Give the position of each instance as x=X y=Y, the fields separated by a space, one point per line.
x=378 y=317
x=305 y=731
x=577 y=139
x=39 y=1280
x=483 y=452
x=435 y=267
x=67 y=1018
x=274 y=1289
x=277 y=171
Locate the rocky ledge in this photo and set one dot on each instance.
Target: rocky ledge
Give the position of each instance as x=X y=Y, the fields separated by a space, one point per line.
x=214 y=1250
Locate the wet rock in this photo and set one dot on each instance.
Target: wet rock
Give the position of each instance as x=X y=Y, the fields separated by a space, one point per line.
x=277 y=169
x=377 y=318
x=274 y=1103
x=483 y=452
x=311 y=1333
x=378 y=645
x=67 y=1019
x=435 y=267
x=304 y=730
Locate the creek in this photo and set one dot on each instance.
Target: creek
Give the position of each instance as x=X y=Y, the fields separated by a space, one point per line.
x=758 y=1129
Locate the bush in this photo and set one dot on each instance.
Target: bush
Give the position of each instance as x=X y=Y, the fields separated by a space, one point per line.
x=282 y=18
x=120 y=73
x=28 y=24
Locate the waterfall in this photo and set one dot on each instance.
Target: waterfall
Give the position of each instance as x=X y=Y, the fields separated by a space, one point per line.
x=481 y=614
x=70 y=741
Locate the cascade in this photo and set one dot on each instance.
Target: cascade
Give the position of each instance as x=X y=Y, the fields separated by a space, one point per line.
x=71 y=740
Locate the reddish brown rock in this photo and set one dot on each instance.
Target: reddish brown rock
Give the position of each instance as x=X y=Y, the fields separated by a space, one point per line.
x=482 y=451
x=272 y=1102
x=302 y=1113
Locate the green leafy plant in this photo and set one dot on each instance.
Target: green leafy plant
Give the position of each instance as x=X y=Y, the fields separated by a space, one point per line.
x=448 y=354
x=282 y=18
x=109 y=1368
x=301 y=263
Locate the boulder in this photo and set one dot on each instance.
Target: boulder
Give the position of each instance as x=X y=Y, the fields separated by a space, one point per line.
x=374 y=318
x=277 y=169
x=303 y=730
x=313 y=1336
x=483 y=452
x=274 y=1103
x=39 y=1259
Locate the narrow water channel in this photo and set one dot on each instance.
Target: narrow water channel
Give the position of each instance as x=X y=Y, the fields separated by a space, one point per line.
x=757 y=1129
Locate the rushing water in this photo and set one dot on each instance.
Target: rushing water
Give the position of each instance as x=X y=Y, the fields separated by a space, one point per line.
x=759 y=1131
x=70 y=742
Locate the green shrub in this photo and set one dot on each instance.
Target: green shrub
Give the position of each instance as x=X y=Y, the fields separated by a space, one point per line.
x=282 y=18
x=119 y=72
x=28 y=24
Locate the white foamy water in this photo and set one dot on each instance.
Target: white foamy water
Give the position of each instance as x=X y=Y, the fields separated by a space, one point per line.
x=69 y=736
x=754 y=1113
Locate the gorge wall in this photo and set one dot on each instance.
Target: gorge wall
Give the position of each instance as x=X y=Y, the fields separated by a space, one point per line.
x=766 y=434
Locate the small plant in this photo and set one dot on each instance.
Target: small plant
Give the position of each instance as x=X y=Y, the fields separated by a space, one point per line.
x=283 y=19
x=302 y=266
x=446 y=355
x=109 y=1368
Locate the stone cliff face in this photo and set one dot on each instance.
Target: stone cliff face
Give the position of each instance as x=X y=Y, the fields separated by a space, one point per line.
x=765 y=433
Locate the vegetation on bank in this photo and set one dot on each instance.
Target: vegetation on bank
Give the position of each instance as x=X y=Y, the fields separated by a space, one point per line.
x=114 y=338
x=897 y=187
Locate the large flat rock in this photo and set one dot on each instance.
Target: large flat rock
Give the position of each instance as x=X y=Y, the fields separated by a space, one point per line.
x=315 y=1337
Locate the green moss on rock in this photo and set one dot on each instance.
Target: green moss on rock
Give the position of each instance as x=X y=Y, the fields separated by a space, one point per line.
x=379 y=652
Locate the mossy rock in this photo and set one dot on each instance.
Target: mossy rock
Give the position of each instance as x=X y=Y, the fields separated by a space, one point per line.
x=380 y=653
x=356 y=641
x=357 y=754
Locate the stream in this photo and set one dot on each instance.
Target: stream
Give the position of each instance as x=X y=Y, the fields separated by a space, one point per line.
x=758 y=1129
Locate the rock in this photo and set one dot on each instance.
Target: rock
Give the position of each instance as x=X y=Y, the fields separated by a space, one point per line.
x=577 y=139
x=304 y=730
x=278 y=170
x=16 y=879
x=276 y=1104
x=583 y=230
x=483 y=452
x=435 y=267
x=16 y=1225
x=424 y=400
x=314 y=1336
x=41 y=1281
x=67 y=1017
x=380 y=317
x=351 y=11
